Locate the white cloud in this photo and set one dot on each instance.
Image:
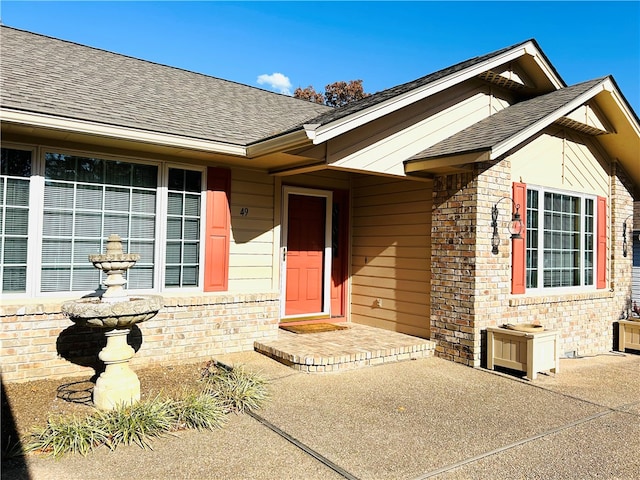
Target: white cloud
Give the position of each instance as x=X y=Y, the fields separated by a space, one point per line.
x=277 y=82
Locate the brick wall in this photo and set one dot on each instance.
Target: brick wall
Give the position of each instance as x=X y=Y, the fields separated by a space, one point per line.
x=471 y=287
x=39 y=342
x=453 y=266
x=622 y=209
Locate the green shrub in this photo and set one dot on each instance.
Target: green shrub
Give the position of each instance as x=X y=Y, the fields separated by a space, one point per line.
x=67 y=435
x=200 y=411
x=128 y=424
x=238 y=389
x=224 y=391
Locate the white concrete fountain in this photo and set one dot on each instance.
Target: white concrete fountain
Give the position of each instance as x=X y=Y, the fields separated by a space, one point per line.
x=116 y=313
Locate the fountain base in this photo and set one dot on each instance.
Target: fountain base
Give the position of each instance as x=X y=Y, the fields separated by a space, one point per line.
x=118 y=384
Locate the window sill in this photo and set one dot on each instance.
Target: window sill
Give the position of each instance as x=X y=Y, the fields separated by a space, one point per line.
x=560 y=298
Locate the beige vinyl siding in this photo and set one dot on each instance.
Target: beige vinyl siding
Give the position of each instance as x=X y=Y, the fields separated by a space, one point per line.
x=563 y=159
x=383 y=145
x=390 y=272
x=251 y=261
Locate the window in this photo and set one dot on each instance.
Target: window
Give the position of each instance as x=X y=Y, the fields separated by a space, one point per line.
x=560 y=239
x=85 y=201
x=74 y=202
x=183 y=228
x=15 y=171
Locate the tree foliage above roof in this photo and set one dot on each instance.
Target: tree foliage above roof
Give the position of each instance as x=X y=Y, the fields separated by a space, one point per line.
x=335 y=94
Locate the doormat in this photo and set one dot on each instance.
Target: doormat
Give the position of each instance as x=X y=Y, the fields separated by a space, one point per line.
x=313 y=328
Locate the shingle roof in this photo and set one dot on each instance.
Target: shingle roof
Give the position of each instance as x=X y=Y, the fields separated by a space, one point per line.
x=506 y=123
x=50 y=76
x=384 y=95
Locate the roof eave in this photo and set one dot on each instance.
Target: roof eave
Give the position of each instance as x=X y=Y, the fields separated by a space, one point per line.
x=506 y=145
x=416 y=165
x=280 y=143
x=322 y=133
x=40 y=120
x=628 y=161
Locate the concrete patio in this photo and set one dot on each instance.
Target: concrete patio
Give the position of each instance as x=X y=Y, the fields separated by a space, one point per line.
x=425 y=418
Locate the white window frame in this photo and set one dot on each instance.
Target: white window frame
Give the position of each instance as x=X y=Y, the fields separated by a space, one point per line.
x=161 y=250
x=36 y=202
x=541 y=289
x=32 y=224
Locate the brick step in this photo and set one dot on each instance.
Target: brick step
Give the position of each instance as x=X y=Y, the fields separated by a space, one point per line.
x=355 y=347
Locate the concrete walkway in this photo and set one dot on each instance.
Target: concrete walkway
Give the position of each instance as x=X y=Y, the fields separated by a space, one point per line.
x=425 y=418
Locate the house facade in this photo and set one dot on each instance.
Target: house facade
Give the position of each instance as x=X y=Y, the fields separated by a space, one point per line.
x=251 y=209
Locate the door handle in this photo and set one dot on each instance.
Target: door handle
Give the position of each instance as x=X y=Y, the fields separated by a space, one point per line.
x=284 y=254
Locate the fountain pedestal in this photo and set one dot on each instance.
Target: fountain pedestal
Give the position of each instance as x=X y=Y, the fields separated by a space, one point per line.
x=118 y=384
x=116 y=313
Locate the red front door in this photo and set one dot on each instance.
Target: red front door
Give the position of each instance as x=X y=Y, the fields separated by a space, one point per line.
x=305 y=255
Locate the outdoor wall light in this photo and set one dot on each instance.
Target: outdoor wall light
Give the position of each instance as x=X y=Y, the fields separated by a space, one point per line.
x=515 y=226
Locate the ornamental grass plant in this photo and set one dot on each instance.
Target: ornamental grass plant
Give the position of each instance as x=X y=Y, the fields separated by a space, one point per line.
x=137 y=423
x=67 y=435
x=238 y=389
x=222 y=391
x=200 y=411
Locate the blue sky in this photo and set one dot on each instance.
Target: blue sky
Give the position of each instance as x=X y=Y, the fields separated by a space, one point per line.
x=316 y=43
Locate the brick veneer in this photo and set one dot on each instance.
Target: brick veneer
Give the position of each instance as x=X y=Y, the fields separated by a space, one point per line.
x=453 y=266
x=38 y=341
x=471 y=287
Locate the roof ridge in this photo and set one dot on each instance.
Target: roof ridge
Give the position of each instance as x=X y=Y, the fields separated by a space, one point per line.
x=397 y=90
x=103 y=87
x=130 y=57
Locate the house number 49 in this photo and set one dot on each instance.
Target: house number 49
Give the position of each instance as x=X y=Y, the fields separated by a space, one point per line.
x=244 y=211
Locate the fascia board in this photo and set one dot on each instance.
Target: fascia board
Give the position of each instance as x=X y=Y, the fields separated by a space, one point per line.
x=320 y=134
x=278 y=144
x=414 y=166
x=506 y=145
x=117 y=132
x=545 y=66
x=624 y=107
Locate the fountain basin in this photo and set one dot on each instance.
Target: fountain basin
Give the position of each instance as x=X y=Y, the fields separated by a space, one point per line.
x=93 y=312
x=113 y=265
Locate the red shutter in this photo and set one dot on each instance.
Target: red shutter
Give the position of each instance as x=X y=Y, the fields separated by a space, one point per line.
x=218 y=229
x=601 y=242
x=518 y=260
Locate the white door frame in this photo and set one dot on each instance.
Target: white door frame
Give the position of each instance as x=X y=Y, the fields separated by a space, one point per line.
x=326 y=284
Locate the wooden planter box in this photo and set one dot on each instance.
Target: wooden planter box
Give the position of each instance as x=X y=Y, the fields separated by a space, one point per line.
x=523 y=351
x=628 y=335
